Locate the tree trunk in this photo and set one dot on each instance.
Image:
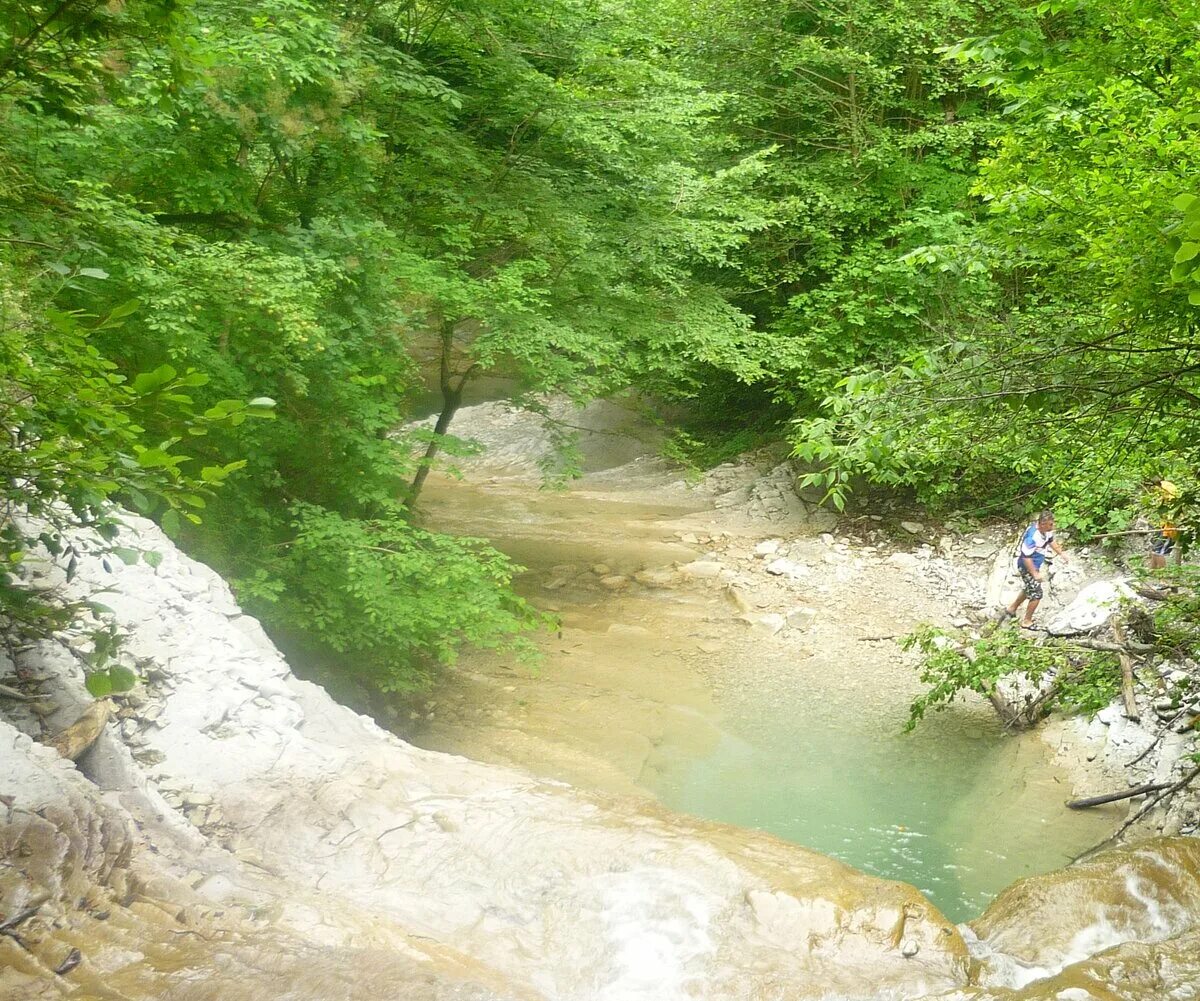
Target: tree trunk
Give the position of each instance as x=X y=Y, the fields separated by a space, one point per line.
x=451 y=386
x=1127 y=694
x=451 y=400
x=1116 y=797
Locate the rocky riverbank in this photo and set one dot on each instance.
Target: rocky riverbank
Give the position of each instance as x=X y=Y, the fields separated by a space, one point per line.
x=784 y=567
x=234 y=834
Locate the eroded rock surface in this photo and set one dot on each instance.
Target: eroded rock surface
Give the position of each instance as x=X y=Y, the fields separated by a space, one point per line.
x=266 y=798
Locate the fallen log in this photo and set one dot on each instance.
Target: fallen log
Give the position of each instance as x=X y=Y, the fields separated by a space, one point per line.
x=82 y=734
x=1114 y=797
x=1166 y=793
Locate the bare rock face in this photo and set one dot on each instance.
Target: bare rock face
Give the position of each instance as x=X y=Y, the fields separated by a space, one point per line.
x=269 y=798
x=86 y=911
x=1146 y=894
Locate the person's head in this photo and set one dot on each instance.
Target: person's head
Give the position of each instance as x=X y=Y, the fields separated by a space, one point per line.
x=1046 y=520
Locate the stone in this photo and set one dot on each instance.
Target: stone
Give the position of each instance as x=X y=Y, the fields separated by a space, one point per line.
x=769 y=547
x=787 y=568
x=906 y=561
x=912 y=527
x=656 y=577
x=801 y=617
x=823 y=521
x=1091 y=609
x=769 y=623
x=702 y=569
x=601 y=569
x=615 y=582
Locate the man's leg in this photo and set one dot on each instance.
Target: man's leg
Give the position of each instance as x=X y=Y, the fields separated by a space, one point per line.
x=1027 y=620
x=1012 y=609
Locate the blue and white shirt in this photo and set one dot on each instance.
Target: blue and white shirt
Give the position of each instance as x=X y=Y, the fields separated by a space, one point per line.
x=1035 y=546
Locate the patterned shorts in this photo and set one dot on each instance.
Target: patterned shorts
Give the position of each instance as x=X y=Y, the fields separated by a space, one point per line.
x=1033 y=587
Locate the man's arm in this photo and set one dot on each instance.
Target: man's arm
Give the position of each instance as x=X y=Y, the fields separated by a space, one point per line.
x=1058 y=550
x=1034 y=572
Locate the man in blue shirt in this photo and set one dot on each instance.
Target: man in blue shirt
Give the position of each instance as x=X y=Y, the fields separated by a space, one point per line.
x=1036 y=544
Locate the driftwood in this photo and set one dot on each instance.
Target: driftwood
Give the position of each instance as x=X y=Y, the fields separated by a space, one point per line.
x=82 y=734
x=1114 y=797
x=1131 y=709
x=1166 y=793
x=1126 y=646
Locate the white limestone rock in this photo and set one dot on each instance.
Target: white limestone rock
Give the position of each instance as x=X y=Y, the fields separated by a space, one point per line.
x=1091 y=609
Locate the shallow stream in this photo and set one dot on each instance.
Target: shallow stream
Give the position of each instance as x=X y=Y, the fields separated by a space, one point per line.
x=662 y=690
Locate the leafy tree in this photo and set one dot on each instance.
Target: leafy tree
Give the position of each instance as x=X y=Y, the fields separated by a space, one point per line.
x=1077 y=383
x=306 y=200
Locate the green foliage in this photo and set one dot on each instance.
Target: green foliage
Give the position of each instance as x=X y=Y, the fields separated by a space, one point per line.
x=309 y=202
x=1083 y=681
x=78 y=439
x=1071 y=380
x=393 y=599
x=105 y=674
x=1175 y=624
x=950 y=668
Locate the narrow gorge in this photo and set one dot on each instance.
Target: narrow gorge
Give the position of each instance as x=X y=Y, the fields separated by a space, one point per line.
x=235 y=834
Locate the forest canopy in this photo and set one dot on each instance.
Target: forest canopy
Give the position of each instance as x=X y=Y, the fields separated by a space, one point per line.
x=949 y=248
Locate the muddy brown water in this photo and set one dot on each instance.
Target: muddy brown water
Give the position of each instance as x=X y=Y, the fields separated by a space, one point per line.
x=660 y=690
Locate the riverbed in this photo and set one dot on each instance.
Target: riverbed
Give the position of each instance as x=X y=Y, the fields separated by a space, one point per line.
x=666 y=682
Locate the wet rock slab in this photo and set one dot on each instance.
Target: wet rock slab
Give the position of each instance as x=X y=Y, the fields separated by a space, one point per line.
x=270 y=798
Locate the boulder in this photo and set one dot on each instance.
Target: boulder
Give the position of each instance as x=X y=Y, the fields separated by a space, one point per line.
x=768 y=623
x=1091 y=609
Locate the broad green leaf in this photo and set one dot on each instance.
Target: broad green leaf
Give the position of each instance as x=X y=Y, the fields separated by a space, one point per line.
x=121 y=678
x=99 y=684
x=124 y=309
x=170 y=522
x=147 y=382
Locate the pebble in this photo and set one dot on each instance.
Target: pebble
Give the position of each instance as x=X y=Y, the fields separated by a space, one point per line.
x=912 y=527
